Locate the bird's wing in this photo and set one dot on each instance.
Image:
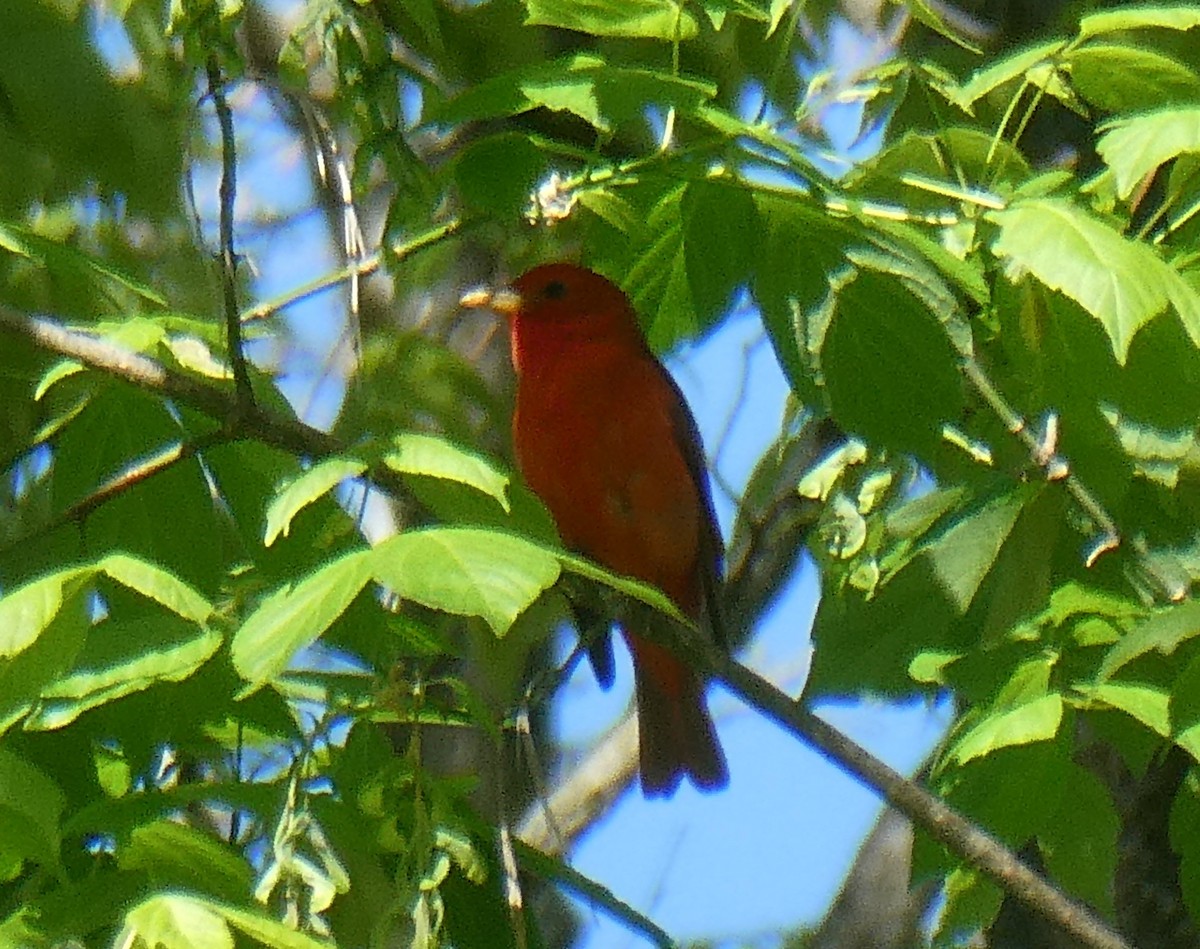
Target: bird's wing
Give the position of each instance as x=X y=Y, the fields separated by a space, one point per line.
x=712 y=548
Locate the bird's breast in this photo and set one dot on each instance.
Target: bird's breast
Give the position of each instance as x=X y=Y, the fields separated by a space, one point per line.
x=594 y=438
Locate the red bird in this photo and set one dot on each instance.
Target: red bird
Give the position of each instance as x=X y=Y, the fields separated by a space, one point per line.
x=604 y=437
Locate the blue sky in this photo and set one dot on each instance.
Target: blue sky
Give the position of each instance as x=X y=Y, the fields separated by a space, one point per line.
x=768 y=853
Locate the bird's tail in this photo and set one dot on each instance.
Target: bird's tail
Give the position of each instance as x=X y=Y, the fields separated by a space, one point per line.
x=675 y=732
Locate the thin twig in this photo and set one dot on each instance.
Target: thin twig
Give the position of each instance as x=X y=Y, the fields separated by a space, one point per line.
x=362 y=268
x=132 y=476
x=549 y=868
x=228 y=195
x=217 y=403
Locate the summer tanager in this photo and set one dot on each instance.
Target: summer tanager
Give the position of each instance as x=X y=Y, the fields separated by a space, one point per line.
x=604 y=437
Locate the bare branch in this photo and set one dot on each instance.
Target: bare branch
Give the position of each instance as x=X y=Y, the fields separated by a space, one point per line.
x=126 y=480
x=228 y=194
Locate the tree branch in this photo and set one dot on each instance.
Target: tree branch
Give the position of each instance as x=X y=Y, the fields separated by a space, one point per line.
x=228 y=194
x=217 y=403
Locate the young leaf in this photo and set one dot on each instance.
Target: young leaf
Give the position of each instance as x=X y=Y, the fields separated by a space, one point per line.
x=1122 y=283
x=293 y=617
x=435 y=457
x=303 y=490
x=467 y=571
x=642 y=19
x=1033 y=721
x=1136 y=146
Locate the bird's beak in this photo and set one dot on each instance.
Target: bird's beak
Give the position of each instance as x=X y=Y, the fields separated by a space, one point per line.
x=505 y=300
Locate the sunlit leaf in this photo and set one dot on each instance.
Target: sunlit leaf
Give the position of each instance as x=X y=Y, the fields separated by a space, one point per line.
x=1136 y=146
x=466 y=571
x=159 y=585
x=1147 y=704
x=293 y=617
x=1033 y=721
x=1163 y=632
x=1139 y=18
x=647 y=19
x=1122 y=78
x=1006 y=70
x=1122 y=283
x=303 y=490
x=434 y=457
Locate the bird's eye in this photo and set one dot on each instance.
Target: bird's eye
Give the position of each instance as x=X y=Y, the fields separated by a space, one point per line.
x=555 y=290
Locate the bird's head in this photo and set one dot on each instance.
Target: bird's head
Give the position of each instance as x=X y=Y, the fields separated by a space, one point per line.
x=556 y=305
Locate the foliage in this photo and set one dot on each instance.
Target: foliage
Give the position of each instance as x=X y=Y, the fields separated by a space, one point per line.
x=196 y=642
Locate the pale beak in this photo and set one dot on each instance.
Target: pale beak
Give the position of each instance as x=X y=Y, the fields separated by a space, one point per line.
x=505 y=301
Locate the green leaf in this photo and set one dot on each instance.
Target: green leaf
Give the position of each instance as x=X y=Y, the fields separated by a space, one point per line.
x=645 y=19
x=26 y=611
x=1139 y=18
x=721 y=237
x=1005 y=71
x=1029 y=722
x=584 y=85
x=1163 y=632
x=657 y=284
x=1134 y=147
x=115 y=432
x=175 y=921
x=434 y=457
x=805 y=247
x=466 y=571
x=119 y=659
x=498 y=174
x=157 y=584
x=1147 y=704
x=933 y=16
x=966 y=276
x=972 y=904
x=890 y=370
x=305 y=488
x=68 y=263
x=1185 y=840
x=1120 y=78
x=293 y=617
x=634 y=589
x=31 y=809
x=1079 y=844
x=175 y=855
x=1121 y=282
x=269 y=931
x=1185 y=708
